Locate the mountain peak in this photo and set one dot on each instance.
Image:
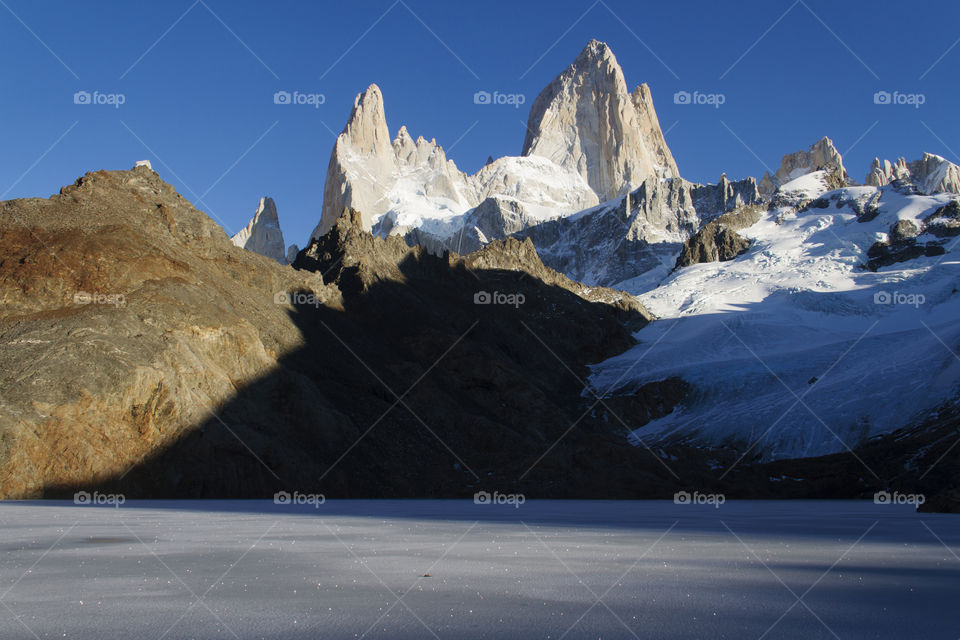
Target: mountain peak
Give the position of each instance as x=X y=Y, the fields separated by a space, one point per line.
x=822 y=155
x=365 y=136
x=594 y=51
x=262 y=234
x=588 y=121
x=366 y=129
x=930 y=174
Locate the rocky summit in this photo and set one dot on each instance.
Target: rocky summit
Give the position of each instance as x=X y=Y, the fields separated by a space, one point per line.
x=262 y=234
x=588 y=121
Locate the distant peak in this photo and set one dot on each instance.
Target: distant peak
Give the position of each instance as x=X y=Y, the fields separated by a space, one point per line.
x=371 y=94
x=366 y=129
x=262 y=234
x=595 y=56
x=266 y=209
x=595 y=49
x=822 y=155
x=588 y=121
x=823 y=143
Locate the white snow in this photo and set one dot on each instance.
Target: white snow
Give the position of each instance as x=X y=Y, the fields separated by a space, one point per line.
x=350 y=569
x=420 y=196
x=785 y=345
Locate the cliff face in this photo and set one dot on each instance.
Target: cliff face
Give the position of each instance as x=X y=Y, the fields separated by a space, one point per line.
x=931 y=174
x=822 y=155
x=366 y=169
x=588 y=121
x=262 y=234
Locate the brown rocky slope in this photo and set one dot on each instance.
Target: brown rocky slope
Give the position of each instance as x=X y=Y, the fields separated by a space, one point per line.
x=141 y=351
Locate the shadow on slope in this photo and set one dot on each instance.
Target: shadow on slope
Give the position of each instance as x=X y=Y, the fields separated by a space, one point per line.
x=414 y=389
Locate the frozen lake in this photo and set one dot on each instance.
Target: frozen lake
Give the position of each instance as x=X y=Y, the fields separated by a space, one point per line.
x=548 y=569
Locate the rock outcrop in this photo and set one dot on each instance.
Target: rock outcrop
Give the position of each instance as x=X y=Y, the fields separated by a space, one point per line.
x=903 y=243
x=931 y=174
x=718 y=240
x=366 y=168
x=766 y=185
x=587 y=121
x=641 y=234
x=262 y=234
x=821 y=156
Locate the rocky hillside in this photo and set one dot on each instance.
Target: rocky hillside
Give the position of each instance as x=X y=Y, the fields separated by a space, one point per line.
x=143 y=351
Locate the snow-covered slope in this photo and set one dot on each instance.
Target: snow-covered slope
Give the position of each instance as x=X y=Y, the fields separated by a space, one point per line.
x=535 y=188
x=637 y=237
x=796 y=348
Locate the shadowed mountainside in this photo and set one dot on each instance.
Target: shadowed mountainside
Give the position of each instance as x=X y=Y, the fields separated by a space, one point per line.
x=194 y=381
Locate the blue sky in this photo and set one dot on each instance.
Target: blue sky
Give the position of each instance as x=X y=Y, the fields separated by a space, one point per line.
x=198 y=79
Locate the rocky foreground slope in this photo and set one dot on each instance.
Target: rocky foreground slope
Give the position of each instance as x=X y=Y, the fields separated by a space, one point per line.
x=141 y=350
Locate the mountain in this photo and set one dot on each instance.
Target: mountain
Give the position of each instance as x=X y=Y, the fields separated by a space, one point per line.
x=593 y=149
x=128 y=317
x=371 y=174
x=587 y=121
x=634 y=242
x=408 y=185
x=142 y=352
x=821 y=156
x=262 y=234
x=577 y=321
x=827 y=320
x=931 y=174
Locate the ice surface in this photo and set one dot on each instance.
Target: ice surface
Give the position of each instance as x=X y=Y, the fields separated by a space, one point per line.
x=543 y=570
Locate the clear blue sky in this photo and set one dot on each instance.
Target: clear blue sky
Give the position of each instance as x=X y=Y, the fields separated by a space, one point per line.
x=199 y=87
